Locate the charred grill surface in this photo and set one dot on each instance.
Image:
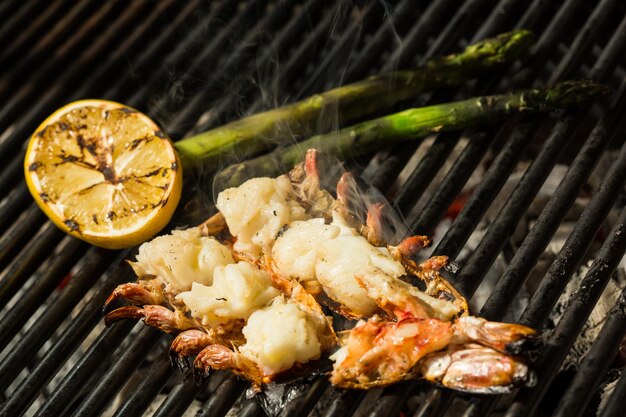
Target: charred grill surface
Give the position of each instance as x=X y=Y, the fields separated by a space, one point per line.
x=198 y=64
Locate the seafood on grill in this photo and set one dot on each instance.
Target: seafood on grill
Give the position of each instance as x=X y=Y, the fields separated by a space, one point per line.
x=277 y=340
x=244 y=291
x=229 y=320
x=379 y=351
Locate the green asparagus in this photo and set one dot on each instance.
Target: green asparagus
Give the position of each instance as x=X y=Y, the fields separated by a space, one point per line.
x=413 y=124
x=259 y=132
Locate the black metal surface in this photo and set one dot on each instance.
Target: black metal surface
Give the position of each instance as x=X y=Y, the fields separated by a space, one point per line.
x=65 y=394
x=223 y=398
x=596 y=362
x=179 y=398
x=194 y=65
x=141 y=397
x=573 y=319
x=615 y=407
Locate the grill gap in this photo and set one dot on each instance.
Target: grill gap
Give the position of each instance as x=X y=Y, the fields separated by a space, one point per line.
x=563 y=50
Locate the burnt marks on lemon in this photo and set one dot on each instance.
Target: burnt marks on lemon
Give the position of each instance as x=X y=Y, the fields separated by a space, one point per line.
x=72 y=225
x=34 y=166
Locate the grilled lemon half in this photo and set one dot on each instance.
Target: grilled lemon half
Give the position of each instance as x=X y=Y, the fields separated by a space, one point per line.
x=104 y=172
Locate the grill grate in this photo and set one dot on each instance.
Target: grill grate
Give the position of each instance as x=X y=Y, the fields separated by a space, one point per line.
x=174 y=60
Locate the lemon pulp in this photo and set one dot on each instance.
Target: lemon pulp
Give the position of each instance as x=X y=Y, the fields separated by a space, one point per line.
x=104 y=173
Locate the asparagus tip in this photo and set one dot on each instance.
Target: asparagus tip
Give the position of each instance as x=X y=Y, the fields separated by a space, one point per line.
x=504 y=47
x=493 y=52
x=570 y=93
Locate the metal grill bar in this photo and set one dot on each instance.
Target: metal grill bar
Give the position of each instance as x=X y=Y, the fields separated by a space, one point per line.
x=552 y=33
x=108 y=384
x=504 y=224
x=369 y=56
x=104 y=41
x=434 y=16
x=141 y=398
x=179 y=54
x=573 y=319
x=75 y=381
x=71 y=337
x=421 y=177
x=548 y=222
x=493 y=181
x=288 y=73
x=7 y=8
x=25 y=225
x=179 y=398
x=252 y=409
x=223 y=398
x=596 y=362
x=23 y=19
x=36 y=336
x=333 y=59
x=17 y=272
x=35 y=29
x=615 y=407
x=439 y=21
x=193 y=107
x=389 y=403
x=453 y=183
x=10 y=206
x=149 y=57
x=8 y=177
x=344 y=404
x=18 y=102
x=584 y=38
x=575 y=247
x=18 y=19
x=486 y=242
x=305 y=403
x=36 y=51
x=48 y=277
x=226 y=108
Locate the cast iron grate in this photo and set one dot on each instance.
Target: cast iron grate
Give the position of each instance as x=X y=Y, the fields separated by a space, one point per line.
x=196 y=64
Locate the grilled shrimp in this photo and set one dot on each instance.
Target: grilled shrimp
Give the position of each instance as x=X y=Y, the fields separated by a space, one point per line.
x=170 y=264
x=220 y=309
x=280 y=339
x=417 y=343
x=242 y=291
x=223 y=309
x=167 y=266
x=332 y=255
x=379 y=352
x=476 y=369
x=257 y=210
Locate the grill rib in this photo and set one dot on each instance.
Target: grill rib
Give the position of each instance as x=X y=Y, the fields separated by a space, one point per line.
x=179 y=63
x=573 y=319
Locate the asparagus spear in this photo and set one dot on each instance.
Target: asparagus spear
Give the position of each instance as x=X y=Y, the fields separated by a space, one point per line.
x=413 y=124
x=259 y=132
